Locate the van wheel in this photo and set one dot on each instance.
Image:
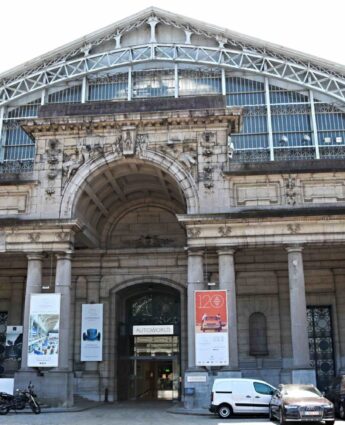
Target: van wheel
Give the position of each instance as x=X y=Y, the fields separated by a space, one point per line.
x=224 y=411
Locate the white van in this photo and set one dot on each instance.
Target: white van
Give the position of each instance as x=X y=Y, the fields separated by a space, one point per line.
x=238 y=395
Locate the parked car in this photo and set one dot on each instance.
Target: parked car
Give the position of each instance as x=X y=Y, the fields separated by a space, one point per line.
x=299 y=403
x=231 y=396
x=211 y=323
x=336 y=394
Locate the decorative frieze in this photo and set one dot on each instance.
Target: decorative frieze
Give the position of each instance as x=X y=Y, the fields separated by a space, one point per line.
x=294 y=228
x=224 y=231
x=193 y=232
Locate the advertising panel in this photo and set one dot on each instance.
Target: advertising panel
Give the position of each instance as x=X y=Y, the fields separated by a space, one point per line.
x=211 y=328
x=91 y=332
x=14 y=342
x=44 y=330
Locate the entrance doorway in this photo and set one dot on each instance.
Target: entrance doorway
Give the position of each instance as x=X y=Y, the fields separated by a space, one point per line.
x=149 y=364
x=320 y=333
x=154 y=380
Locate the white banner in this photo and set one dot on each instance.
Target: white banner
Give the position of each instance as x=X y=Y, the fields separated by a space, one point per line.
x=14 y=342
x=211 y=328
x=44 y=330
x=91 y=333
x=153 y=330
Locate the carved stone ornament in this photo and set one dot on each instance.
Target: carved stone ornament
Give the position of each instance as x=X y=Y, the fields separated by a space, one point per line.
x=129 y=142
x=34 y=237
x=294 y=228
x=193 y=232
x=290 y=191
x=71 y=163
x=224 y=231
x=62 y=236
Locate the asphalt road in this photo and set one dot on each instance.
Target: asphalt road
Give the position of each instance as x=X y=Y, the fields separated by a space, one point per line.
x=129 y=413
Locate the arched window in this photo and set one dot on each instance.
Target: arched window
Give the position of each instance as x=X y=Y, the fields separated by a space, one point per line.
x=258 y=335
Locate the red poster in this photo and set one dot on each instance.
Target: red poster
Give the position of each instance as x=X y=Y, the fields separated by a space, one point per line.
x=211 y=311
x=211 y=328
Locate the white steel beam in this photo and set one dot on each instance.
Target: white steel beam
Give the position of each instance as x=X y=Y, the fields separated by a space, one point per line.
x=303 y=74
x=269 y=119
x=314 y=125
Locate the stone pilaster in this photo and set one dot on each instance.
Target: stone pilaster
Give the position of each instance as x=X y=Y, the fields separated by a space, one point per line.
x=63 y=286
x=33 y=286
x=195 y=281
x=298 y=311
x=227 y=281
x=92 y=297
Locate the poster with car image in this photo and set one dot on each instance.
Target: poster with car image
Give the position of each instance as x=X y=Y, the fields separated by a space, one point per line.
x=211 y=328
x=44 y=326
x=91 y=332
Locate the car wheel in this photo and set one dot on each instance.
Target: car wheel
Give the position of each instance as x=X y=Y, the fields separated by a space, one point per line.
x=330 y=422
x=4 y=409
x=224 y=411
x=281 y=417
x=341 y=411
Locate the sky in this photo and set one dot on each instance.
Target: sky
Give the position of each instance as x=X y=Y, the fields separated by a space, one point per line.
x=30 y=28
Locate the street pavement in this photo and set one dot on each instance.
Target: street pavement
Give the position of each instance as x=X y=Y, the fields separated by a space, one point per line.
x=126 y=413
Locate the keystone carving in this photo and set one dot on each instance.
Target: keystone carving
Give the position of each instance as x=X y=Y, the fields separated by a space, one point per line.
x=129 y=142
x=193 y=232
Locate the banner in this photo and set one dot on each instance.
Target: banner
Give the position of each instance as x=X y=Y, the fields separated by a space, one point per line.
x=14 y=342
x=44 y=330
x=211 y=328
x=91 y=332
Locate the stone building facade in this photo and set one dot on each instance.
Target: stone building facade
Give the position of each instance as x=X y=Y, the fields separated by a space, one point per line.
x=152 y=158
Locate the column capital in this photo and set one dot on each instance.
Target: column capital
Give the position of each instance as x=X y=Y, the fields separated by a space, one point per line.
x=195 y=252
x=67 y=255
x=294 y=248
x=226 y=250
x=35 y=256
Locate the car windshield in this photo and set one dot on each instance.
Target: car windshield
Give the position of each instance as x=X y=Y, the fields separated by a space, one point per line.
x=300 y=392
x=211 y=318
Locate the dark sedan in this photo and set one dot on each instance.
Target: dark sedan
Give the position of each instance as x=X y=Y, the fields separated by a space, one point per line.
x=300 y=403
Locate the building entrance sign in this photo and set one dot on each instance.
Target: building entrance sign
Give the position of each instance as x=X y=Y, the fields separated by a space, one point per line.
x=91 y=333
x=211 y=328
x=153 y=330
x=44 y=330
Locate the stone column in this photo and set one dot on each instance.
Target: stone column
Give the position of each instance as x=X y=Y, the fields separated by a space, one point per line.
x=33 y=286
x=302 y=373
x=63 y=286
x=195 y=281
x=92 y=298
x=227 y=281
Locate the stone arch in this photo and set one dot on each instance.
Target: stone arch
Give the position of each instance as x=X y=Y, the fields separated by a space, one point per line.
x=183 y=179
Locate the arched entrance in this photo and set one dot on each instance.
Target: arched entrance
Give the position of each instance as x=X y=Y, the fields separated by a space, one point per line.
x=130 y=231
x=148 y=343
